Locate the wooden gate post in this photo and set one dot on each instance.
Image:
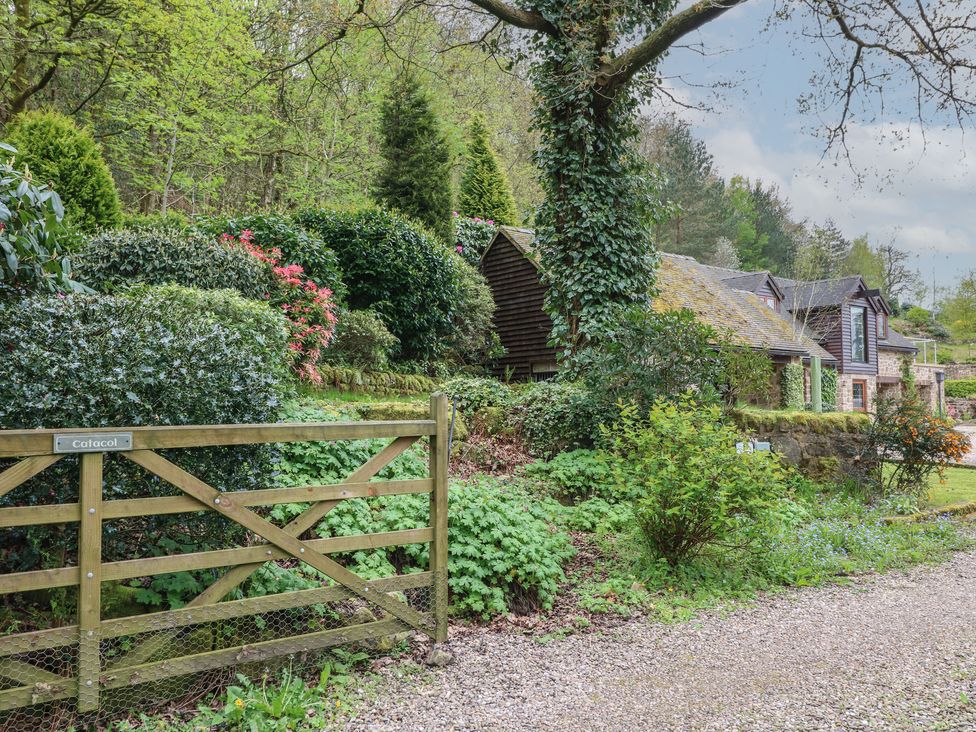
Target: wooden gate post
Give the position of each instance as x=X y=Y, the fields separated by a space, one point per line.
x=90 y=591
x=438 y=513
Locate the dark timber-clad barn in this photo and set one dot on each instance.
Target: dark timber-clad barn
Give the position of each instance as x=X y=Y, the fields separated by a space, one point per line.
x=522 y=324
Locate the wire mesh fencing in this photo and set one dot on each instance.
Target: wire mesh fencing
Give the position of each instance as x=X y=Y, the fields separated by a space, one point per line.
x=301 y=603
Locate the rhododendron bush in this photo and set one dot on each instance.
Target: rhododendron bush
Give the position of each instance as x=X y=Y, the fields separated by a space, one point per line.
x=308 y=308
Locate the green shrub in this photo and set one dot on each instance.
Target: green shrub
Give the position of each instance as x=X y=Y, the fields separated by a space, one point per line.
x=33 y=242
x=171 y=220
x=100 y=361
x=297 y=246
x=960 y=388
x=70 y=161
x=361 y=340
x=555 y=416
x=598 y=516
x=503 y=554
x=472 y=237
x=791 y=386
x=262 y=329
x=906 y=445
x=580 y=475
x=828 y=388
x=472 y=394
x=317 y=463
x=695 y=490
x=651 y=355
x=411 y=280
x=113 y=259
x=474 y=341
x=918 y=316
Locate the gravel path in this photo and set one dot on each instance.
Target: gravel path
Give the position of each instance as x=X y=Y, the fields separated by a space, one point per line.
x=896 y=652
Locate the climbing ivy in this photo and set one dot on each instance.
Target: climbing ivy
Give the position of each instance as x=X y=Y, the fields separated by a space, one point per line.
x=594 y=227
x=791 y=386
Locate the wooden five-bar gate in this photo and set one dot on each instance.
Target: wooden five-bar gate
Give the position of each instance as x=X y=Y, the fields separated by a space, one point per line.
x=91 y=660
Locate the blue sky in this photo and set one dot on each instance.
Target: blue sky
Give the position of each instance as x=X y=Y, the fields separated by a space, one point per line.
x=916 y=190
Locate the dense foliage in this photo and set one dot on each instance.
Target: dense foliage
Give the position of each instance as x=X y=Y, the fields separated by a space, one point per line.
x=503 y=554
x=791 y=387
x=297 y=246
x=362 y=340
x=415 y=178
x=309 y=309
x=485 y=192
x=68 y=160
x=580 y=475
x=594 y=224
x=33 y=240
x=473 y=341
x=408 y=278
x=472 y=394
x=114 y=259
x=649 y=355
x=911 y=445
x=472 y=237
x=695 y=490
x=555 y=416
x=828 y=388
x=97 y=361
x=960 y=388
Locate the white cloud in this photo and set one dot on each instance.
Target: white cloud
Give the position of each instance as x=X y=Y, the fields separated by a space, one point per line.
x=915 y=190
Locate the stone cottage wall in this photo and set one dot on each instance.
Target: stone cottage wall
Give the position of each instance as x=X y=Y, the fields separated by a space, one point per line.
x=824 y=446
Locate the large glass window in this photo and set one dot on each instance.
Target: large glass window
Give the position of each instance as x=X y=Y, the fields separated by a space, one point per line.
x=859 y=334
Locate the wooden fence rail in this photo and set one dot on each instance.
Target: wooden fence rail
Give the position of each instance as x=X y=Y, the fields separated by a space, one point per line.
x=26 y=680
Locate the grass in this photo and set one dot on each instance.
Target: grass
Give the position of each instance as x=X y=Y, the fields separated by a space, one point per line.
x=957 y=486
x=820 y=539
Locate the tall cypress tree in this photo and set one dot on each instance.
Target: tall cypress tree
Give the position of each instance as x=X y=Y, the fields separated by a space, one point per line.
x=415 y=178
x=485 y=191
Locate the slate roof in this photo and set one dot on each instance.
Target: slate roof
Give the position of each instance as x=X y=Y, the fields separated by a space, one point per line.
x=896 y=342
x=818 y=293
x=685 y=283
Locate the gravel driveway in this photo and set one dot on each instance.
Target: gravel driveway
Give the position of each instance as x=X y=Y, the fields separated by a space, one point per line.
x=896 y=652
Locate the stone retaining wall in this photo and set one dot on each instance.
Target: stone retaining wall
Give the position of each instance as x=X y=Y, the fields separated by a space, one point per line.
x=959 y=370
x=962 y=409
x=824 y=446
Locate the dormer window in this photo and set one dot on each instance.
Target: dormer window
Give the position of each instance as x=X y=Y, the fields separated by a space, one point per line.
x=771 y=302
x=882 y=325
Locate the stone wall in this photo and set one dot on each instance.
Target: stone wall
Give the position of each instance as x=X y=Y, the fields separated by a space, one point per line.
x=961 y=409
x=824 y=447
x=959 y=370
x=845 y=390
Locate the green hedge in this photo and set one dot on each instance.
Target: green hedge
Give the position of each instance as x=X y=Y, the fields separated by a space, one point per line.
x=791 y=386
x=395 y=268
x=960 y=388
x=114 y=259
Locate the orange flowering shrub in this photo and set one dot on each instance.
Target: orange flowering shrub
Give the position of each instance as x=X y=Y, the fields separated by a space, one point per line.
x=914 y=443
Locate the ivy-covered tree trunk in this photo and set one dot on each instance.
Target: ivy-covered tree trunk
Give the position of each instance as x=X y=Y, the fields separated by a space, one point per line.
x=594 y=229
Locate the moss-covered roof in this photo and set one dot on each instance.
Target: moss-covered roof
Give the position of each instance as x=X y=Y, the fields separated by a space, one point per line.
x=684 y=283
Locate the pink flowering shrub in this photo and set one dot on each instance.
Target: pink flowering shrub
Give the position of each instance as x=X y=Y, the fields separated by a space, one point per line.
x=472 y=236
x=308 y=308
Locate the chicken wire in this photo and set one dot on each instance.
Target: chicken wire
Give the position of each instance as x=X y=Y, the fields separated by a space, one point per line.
x=182 y=660
x=196 y=661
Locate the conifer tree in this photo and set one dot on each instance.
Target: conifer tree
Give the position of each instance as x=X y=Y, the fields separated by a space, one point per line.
x=415 y=177
x=485 y=191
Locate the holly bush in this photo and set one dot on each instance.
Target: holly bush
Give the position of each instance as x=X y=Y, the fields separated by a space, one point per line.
x=114 y=259
x=82 y=360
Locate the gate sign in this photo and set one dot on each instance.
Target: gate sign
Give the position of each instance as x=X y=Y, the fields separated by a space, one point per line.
x=93 y=442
